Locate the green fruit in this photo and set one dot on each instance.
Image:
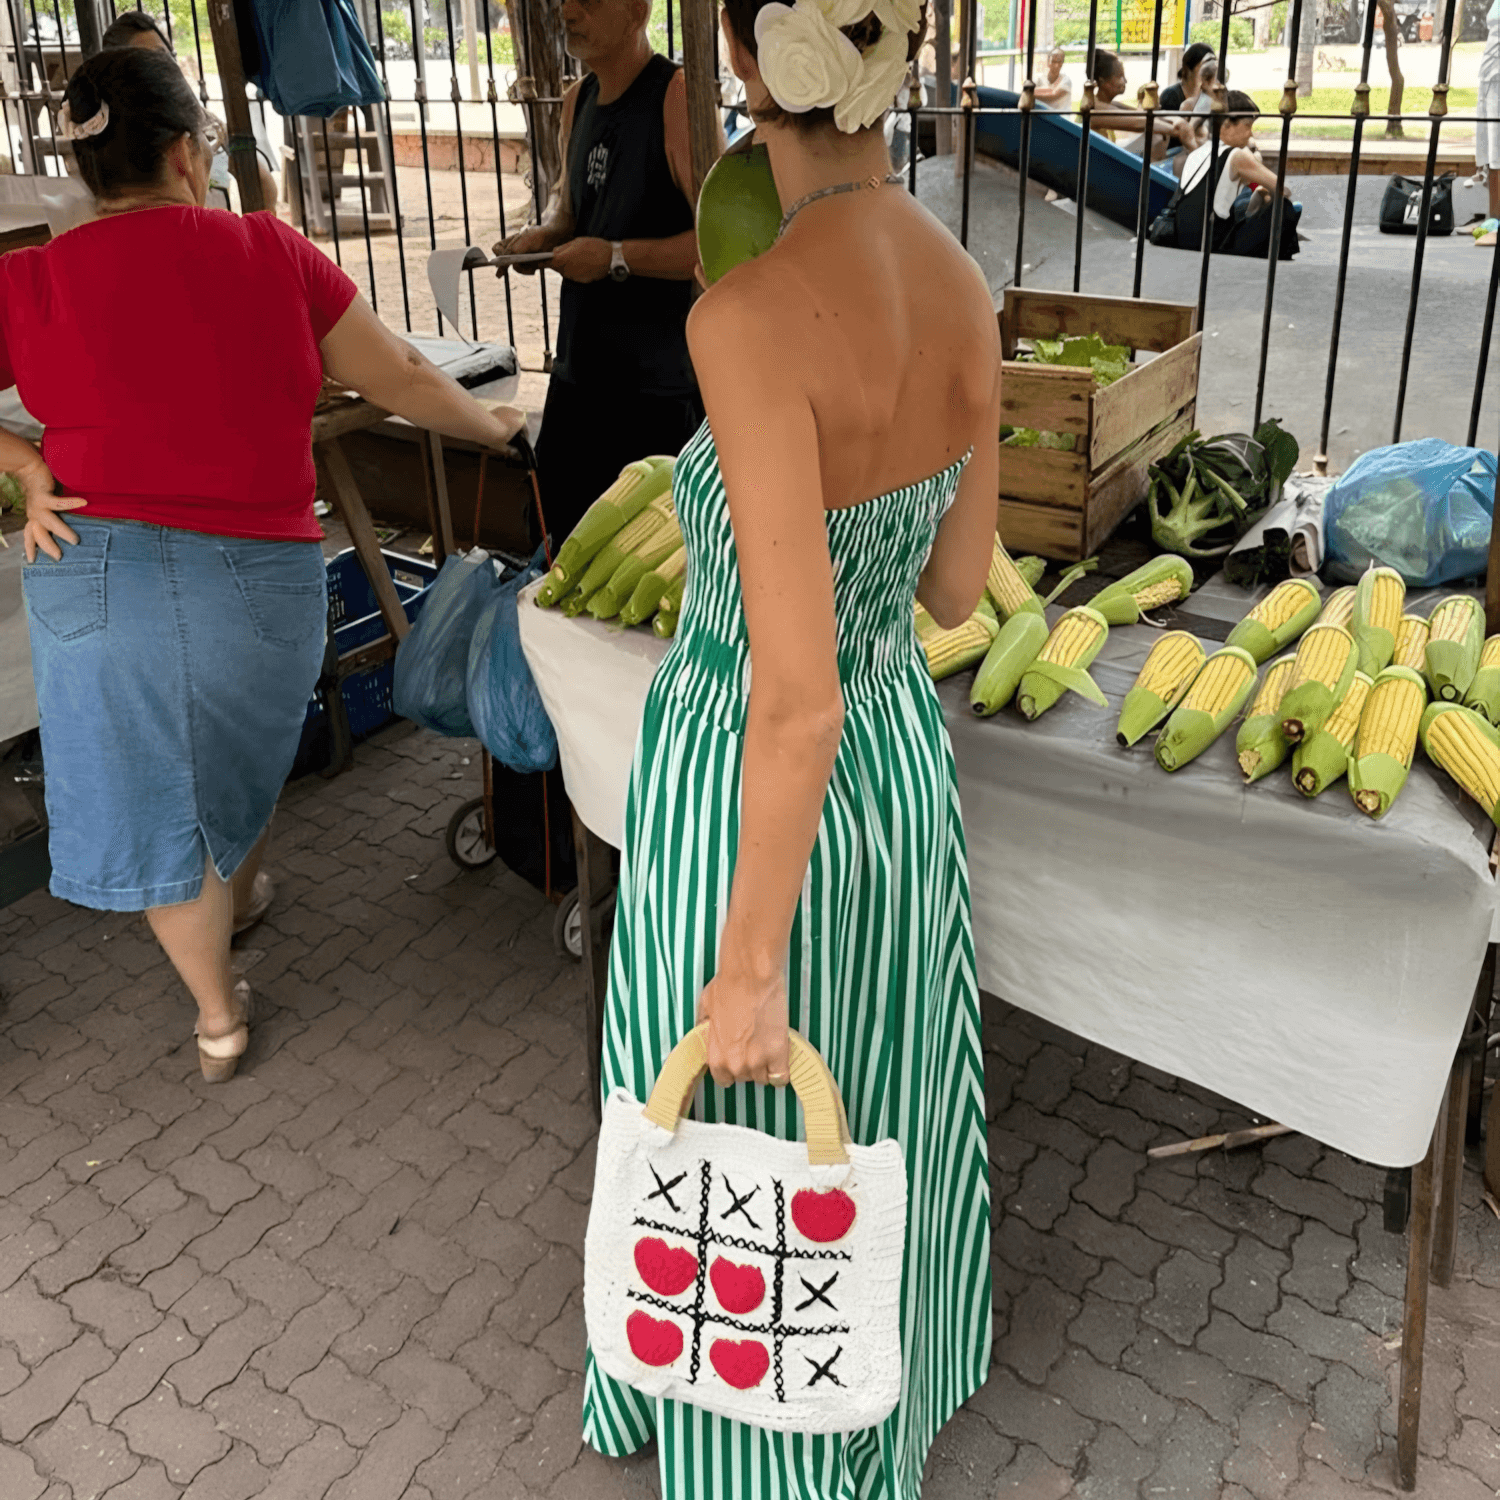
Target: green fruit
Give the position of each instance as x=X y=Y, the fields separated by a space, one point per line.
x=739 y=211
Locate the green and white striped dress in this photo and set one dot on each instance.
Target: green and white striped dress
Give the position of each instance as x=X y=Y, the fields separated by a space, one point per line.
x=881 y=972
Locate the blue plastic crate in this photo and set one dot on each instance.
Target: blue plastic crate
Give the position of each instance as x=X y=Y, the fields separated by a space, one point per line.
x=357 y=622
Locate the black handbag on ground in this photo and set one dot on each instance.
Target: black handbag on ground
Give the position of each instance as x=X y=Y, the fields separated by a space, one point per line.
x=1401 y=205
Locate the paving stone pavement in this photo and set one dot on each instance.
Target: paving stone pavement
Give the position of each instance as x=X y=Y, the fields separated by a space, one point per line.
x=355 y=1271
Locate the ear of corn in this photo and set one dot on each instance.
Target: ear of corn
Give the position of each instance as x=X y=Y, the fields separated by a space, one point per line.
x=1411 y=643
x=1031 y=569
x=1483 y=695
x=1467 y=747
x=1011 y=652
x=1063 y=663
x=1387 y=739
x=614 y=595
x=575 y=604
x=1323 y=756
x=665 y=623
x=1326 y=661
x=656 y=523
x=1378 y=601
x=638 y=485
x=1455 y=639
x=1338 y=608
x=1278 y=620
x=1008 y=590
x=1208 y=708
x=987 y=609
x=642 y=603
x=1163 y=580
x=950 y=651
x=1168 y=672
x=1260 y=746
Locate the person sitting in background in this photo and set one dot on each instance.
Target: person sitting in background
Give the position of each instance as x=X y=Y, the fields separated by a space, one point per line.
x=1056 y=90
x=1241 y=191
x=134 y=28
x=1180 y=95
x=1112 y=120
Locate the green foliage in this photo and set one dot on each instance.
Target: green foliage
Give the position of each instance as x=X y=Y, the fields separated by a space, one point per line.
x=396 y=25
x=1108 y=361
x=1241 y=36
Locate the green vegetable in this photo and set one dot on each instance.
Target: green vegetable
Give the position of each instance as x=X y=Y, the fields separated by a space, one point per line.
x=1109 y=362
x=11 y=494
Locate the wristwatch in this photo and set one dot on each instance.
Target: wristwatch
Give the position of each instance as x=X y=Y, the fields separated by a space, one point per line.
x=617 y=267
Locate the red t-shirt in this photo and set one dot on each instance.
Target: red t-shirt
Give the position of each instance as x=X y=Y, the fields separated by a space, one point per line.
x=172 y=356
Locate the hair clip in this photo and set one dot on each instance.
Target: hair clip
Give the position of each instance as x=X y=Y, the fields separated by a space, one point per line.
x=95 y=123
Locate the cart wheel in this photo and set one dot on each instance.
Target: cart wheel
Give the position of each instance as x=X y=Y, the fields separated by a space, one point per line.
x=466 y=846
x=567 y=928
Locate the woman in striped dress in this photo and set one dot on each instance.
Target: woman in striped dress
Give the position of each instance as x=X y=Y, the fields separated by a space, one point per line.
x=793 y=849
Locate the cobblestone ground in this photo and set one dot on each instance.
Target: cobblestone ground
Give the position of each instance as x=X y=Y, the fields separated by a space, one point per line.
x=355 y=1271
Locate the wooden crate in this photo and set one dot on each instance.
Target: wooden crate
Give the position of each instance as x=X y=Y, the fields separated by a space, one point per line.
x=1063 y=505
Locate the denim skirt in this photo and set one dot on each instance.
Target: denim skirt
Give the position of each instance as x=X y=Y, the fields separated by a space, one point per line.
x=173 y=672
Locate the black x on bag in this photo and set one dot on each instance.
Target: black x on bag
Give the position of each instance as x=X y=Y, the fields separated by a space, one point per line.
x=1401 y=206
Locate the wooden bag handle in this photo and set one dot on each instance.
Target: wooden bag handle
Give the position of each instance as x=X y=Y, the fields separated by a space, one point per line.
x=822 y=1107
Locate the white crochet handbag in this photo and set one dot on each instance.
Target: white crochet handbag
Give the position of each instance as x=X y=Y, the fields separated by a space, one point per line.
x=753 y=1277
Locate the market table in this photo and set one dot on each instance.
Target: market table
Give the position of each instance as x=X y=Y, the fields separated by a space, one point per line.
x=1293 y=956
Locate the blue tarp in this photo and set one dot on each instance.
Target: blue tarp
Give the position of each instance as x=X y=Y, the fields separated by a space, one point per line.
x=314 y=59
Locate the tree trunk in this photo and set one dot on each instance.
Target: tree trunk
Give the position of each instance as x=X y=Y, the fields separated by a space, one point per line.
x=1393 y=64
x=541 y=71
x=1306 y=45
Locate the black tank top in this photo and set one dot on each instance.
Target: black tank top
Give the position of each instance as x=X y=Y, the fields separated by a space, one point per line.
x=628 y=334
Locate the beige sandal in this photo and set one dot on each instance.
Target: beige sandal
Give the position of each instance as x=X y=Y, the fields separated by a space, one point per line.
x=219 y=1056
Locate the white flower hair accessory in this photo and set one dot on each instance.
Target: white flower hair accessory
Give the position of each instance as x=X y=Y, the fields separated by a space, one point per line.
x=806 y=62
x=95 y=123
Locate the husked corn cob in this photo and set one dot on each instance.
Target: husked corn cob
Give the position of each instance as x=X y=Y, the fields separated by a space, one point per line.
x=1326 y=661
x=656 y=523
x=1323 y=756
x=1217 y=695
x=1260 y=746
x=665 y=624
x=575 y=604
x=1387 y=739
x=1467 y=747
x=638 y=485
x=1165 y=676
x=1011 y=652
x=1455 y=639
x=950 y=651
x=648 y=592
x=987 y=609
x=1411 y=643
x=1163 y=580
x=1379 y=599
x=1063 y=663
x=1483 y=695
x=614 y=595
x=1338 y=609
x=1278 y=620
x=1009 y=591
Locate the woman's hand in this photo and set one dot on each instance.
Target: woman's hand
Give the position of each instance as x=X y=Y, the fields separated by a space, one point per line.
x=45 y=511
x=747 y=1029
x=512 y=420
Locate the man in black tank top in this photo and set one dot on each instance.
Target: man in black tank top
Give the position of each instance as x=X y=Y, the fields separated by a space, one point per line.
x=622 y=230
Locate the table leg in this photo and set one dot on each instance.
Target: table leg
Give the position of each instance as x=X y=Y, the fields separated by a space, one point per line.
x=1450 y=1187
x=1414 y=1319
x=1492 y=1149
x=440 y=512
x=345 y=495
x=1485 y=1009
x=594 y=879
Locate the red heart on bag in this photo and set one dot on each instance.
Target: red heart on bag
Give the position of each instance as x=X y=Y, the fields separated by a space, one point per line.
x=740 y=1289
x=743 y=1364
x=822 y=1217
x=653 y=1341
x=665 y=1270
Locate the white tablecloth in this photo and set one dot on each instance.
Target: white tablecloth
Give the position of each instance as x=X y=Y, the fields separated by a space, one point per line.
x=1293 y=956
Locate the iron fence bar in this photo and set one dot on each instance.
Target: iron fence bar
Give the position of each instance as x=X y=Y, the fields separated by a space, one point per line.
x=390 y=136
x=968 y=99
x=914 y=91
x=198 y=49
x=1216 y=124
x=1085 y=119
x=333 y=197
x=62 y=39
x=1437 y=110
x=489 y=57
x=458 y=131
x=1360 y=109
x=166 y=13
x=364 y=204
x=671 y=50
x=1278 y=204
x=528 y=112
x=1143 y=201
x=1028 y=103
x=1484 y=347
x=420 y=90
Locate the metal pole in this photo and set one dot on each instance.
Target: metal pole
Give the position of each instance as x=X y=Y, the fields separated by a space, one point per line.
x=1085 y=116
x=1028 y=103
x=1484 y=357
x=1152 y=97
x=390 y=144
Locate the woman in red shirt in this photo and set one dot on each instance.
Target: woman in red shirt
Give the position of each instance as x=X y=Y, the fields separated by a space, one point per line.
x=177 y=596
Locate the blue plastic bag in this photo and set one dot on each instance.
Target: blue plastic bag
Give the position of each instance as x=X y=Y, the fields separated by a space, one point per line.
x=1423 y=508
x=431 y=682
x=314 y=59
x=504 y=703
